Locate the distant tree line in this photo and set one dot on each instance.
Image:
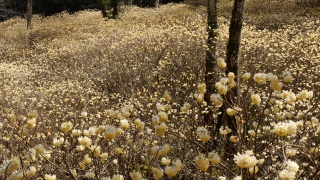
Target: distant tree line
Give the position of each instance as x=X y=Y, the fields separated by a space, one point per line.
x=10 y=8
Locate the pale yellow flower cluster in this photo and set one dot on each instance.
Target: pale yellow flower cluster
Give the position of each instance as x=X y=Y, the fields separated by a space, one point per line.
x=285 y=128
x=225 y=84
x=160 y=150
x=246 y=160
x=289 y=173
x=171 y=171
x=216 y=99
x=157 y=173
x=203 y=134
x=136 y=175
x=202 y=162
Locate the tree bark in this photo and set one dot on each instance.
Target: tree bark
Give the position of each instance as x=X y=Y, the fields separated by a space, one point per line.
x=212 y=24
x=232 y=60
x=29 y=14
x=102 y=8
x=114 y=5
x=156 y=4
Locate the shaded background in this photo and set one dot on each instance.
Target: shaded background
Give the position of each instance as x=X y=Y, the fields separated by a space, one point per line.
x=11 y=8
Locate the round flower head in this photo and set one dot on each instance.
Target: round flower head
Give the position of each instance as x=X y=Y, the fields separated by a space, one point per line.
x=17 y=175
x=160 y=129
x=276 y=86
x=40 y=148
x=291 y=98
x=260 y=78
x=50 y=177
x=163 y=117
x=139 y=124
x=221 y=63
x=31 y=123
x=216 y=99
x=246 y=76
x=165 y=161
x=160 y=150
x=199 y=97
x=185 y=108
x=286 y=175
x=125 y=112
x=237 y=178
x=58 y=141
x=66 y=126
x=202 y=88
x=231 y=111
x=173 y=170
x=234 y=139
x=232 y=84
x=292 y=166
x=203 y=134
x=222 y=89
x=231 y=76
x=89 y=175
x=287 y=77
x=31 y=171
x=113 y=114
x=32 y=114
x=214 y=158
x=96 y=150
x=273 y=79
x=84 y=114
x=284 y=129
x=124 y=124
x=111 y=132
x=13 y=165
x=245 y=160
x=87 y=160
x=118 y=150
x=136 y=175
x=160 y=107
x=202 y=162
x=157 y=173
x=85 y=141
x=255 y=99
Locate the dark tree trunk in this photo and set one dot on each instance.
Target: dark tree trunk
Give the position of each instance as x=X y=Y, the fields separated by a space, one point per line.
x=232 y=61
x=114 y=5
x=156 y=4
x=102 y=8
x=212 y=24
x=235 y=29
x=29 y=14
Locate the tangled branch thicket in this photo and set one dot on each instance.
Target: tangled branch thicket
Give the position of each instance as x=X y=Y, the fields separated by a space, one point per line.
x=85 y=98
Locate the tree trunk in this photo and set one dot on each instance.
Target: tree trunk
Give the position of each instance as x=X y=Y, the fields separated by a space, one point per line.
x=233 y=46
x=212 y=24
x=29 y=14
x=114 y=5
x=156 y=4
x=232 y=61
x=102 y=8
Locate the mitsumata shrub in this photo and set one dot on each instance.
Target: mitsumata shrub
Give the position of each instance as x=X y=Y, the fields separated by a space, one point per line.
x=85 y=98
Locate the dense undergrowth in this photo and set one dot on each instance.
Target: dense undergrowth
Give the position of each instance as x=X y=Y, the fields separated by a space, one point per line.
x=88 y=98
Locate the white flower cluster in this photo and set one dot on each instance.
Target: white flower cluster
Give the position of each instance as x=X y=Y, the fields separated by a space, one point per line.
x=290 y=171
x=246 y=160
x=285 y=128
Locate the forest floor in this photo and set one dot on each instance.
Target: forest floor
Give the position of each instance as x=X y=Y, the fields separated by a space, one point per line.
x=68 y=64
